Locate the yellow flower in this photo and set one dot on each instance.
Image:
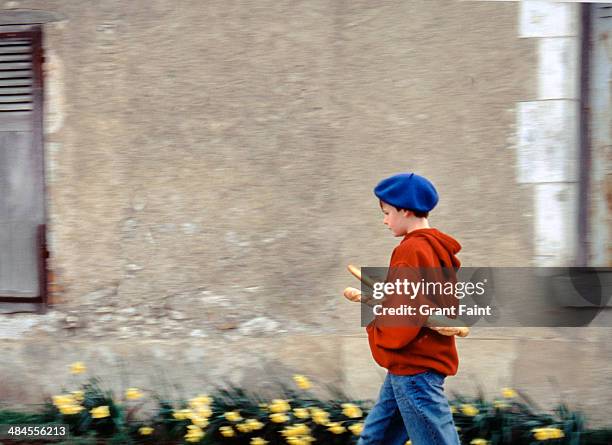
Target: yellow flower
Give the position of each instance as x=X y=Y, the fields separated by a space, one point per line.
x=408 y=442
x=508 y=393
x=356 y=428
x=319 y=416
x=258 y=441
x=69 y=410
x=199 y=421
x=203 y=411
x=302 y=381
x=351 y=410
x=335 y=427
x=301 y=413
x=133 y=393
x=299 y=429
x=67 y=404
x=300 y=440
x=227 y=431
x=453 y=409
x=263 y=406
x=556 y=433
x=243 y=427
x=254 y=424
x=145 y=430
x=194 y=433
x=548 y=433
x=99 y=412
x=202 y=399
x=279 y=417
x=233 y=416
x=78 y=368
x=182 y=414
x=279 y=406
x=78 y=395
x=469 y=410
x=479 y=441
x=63 y=399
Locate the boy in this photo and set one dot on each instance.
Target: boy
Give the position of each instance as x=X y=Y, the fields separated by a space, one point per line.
x=412 y=401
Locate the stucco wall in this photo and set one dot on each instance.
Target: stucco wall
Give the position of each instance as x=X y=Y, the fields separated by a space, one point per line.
x=229 y=145
x=210 y=167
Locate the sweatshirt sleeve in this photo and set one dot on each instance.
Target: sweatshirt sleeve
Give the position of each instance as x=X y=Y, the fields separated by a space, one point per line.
x=392 y=333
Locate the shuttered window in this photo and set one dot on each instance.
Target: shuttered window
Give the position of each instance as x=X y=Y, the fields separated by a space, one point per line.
x=22 y=206
x=16 y=75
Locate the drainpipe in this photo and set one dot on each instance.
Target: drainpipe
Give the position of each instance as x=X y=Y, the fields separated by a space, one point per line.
x=584 y=161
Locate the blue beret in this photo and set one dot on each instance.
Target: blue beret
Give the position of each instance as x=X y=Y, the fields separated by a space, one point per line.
x=408 y=191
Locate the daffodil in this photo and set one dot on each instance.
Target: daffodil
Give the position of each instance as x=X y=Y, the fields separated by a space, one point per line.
x=469 y=410
x=78 y=395
x=548 y=433
x=182 y=414
x=508 y=393
x=299 y=429
x=279 y=406
x=69 y=410
x=133 y=393
x=279 y=417
x=145 y=430
x=199 y=421
x=319 y=416
x=453 y=409
x=203 y=411
x=100 y=412
x=300 y=440
x=302 y=381
x=64 y=399
x=301 y=413
x=227 y=431
x=336 y=427
x=356 y=428
x=78 y=368
x=258 y=441
x=479 y=441
x=351 y=410
x=194 y=433
x=67 y=404
x=243 y=427
x=202 y=399
x=408 y=442
x=254 y=424
x=233 y=416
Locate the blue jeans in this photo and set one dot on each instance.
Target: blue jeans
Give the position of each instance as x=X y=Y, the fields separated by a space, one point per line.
x=412 y=405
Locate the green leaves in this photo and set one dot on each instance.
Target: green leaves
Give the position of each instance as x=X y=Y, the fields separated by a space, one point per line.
x=290 y=416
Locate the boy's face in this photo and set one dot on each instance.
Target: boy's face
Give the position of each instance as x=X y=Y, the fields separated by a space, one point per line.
x=396 y=221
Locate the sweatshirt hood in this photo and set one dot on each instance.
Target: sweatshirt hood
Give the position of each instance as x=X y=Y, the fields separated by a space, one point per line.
x=445 y=246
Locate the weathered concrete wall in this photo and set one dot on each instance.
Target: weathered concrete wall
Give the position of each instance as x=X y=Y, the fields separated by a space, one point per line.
x=210 y=176
x=231 y=147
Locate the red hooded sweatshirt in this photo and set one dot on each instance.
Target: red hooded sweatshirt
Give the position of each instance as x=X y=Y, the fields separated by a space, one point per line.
x=408 y=350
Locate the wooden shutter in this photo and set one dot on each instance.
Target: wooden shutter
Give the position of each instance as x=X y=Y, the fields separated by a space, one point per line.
x=22 y=206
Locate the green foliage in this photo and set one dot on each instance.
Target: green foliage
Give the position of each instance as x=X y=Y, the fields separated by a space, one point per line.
x=333 y=421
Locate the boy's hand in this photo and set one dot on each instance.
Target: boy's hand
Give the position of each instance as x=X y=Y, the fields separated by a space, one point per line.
x=462 y=331
x=352 y=294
